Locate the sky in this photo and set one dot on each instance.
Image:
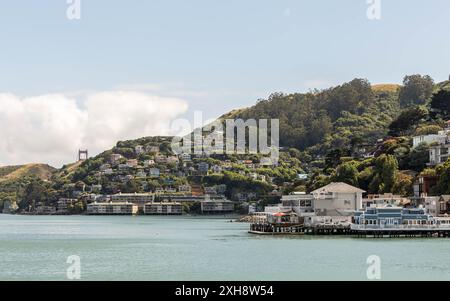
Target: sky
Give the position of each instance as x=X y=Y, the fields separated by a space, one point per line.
x=127 y=69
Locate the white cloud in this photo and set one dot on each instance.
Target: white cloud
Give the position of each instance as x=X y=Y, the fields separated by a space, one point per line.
x=51 y=128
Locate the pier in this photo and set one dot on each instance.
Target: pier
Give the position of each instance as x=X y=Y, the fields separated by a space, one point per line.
x=336 y=230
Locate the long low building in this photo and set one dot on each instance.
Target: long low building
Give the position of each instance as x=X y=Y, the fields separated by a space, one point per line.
x=112 y=208
x=217 y=206
x=165 y=208
x=139 y=199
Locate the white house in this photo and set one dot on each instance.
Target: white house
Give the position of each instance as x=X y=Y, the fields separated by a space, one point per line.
x=139 y=149
x=154 y=172
x=337 y=199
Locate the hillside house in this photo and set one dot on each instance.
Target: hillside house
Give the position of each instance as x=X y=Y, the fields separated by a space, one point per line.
x=132 y=163
x=115 y=158
x=185 y=157
x=148 y=163
x=210 y=190
x=139 y=149
x=203 y=167
x=154 y=172
x=185 y=188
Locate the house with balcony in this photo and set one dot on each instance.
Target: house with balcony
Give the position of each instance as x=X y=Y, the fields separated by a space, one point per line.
x=439 y=153
x=442 y=137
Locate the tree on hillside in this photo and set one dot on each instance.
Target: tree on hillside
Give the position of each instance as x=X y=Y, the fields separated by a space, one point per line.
x=440 y=103
x=416 y=90
x=403 y=185
x=385 y=171
x=419 y=157
x=407 y=122
x=353 y=97
x=443 y=172
x=347 y=173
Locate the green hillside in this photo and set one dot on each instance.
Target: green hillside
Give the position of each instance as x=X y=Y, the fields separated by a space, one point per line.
x=337 y=117
x=356 y=133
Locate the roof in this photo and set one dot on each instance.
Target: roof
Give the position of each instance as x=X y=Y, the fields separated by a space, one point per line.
x=445 y=198
x=339 y=188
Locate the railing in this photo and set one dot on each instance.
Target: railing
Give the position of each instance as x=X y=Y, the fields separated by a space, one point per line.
x=400 y=227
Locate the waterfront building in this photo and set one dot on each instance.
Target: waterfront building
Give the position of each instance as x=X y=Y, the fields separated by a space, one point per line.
x=337 y=199
x=45 y=209
x=139 y=199
x=212 y=206
x=444 y=204
x=112 y=208
x=9 y=207
x=164 y=208
x=63 y=205
x=299 y=202
x=431 y=205
x=190 y=198
x=391 y=218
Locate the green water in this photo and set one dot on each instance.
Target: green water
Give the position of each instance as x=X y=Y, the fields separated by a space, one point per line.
x=182 y=248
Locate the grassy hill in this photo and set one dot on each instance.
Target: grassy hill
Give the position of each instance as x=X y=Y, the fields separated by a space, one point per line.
x=12 y=173
x=392 y=88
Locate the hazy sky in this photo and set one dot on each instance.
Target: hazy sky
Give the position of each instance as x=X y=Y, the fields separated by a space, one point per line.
x=132 y=58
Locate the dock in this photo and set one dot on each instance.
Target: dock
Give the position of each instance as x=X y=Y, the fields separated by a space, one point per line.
x=353 y=231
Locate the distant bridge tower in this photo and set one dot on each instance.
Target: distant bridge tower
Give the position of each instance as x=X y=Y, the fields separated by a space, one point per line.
x=83 y=155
